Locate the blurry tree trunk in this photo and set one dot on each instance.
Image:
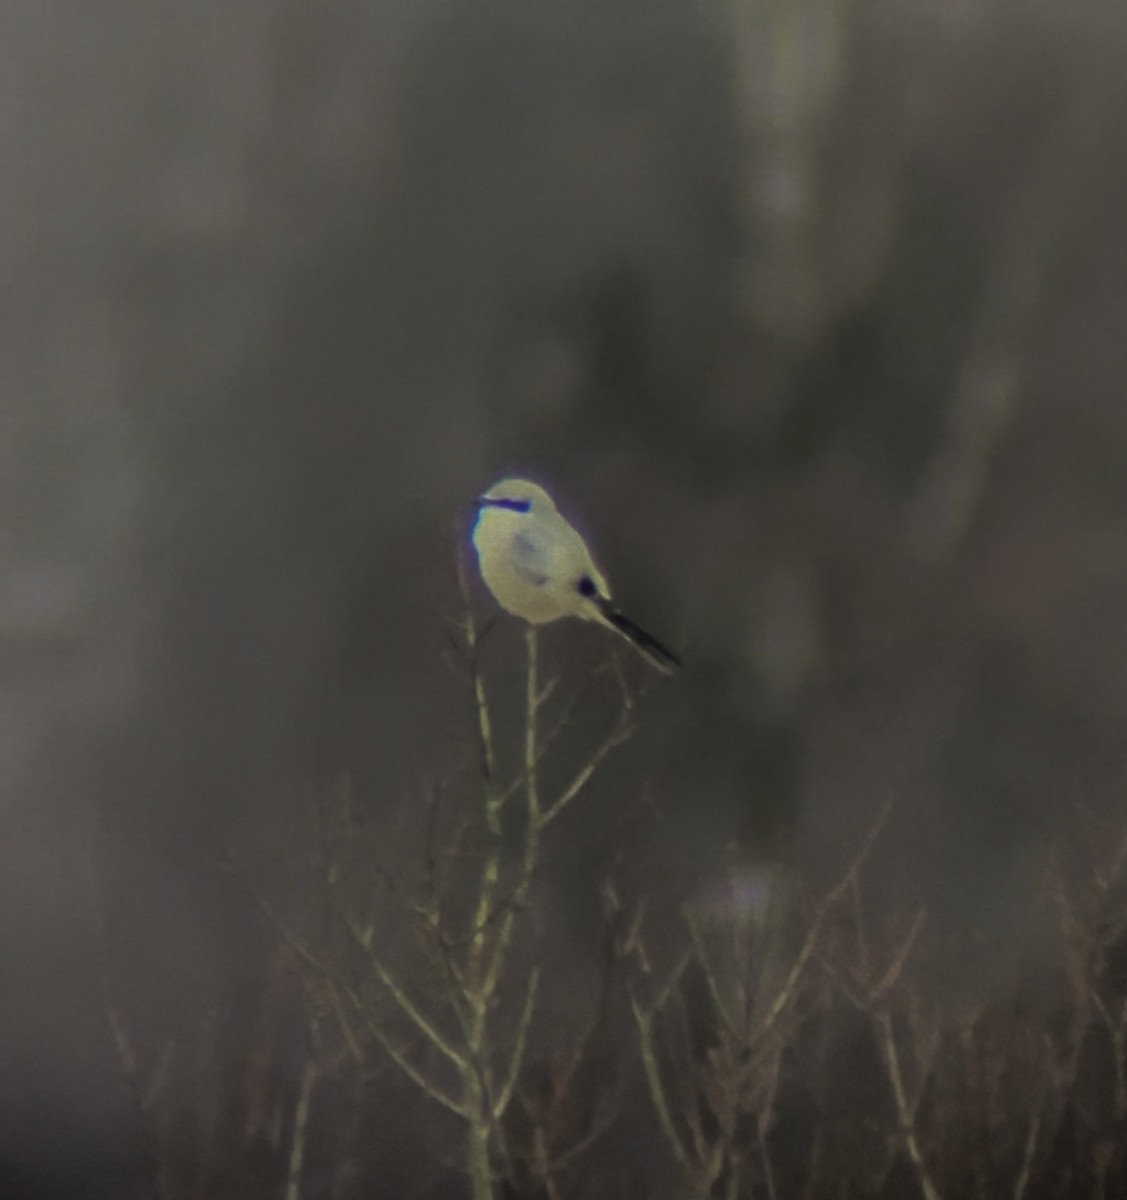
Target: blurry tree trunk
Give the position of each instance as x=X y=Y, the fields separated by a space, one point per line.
x=789 y=63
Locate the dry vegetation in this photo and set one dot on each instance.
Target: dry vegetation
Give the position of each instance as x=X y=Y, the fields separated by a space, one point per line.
x=782 y=1040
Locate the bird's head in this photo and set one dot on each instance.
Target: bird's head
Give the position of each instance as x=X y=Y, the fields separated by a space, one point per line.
x=517 y=495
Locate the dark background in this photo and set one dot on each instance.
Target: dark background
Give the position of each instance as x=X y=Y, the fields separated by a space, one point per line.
x=812 y=315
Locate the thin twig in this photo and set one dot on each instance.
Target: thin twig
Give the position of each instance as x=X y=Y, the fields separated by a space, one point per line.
x=300 y=1129
x=896 y=967
x=546 y=740
x=1022 y=1180
x=516 y=1060
x=412 y=1072
x=595 y=1132
x=401 y=998
x=656 y=1087
x=302 y=950
x=710 y=977
x=533 y=822
x=532 y=790
x=621 y=733
x=350 y=1038
x=904 y=1111
x=481 y=703
x=763 y=1128
x=411 y=1010
x=847 y=881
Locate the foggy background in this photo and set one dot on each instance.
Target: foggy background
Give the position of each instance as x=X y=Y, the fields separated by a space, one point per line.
x=812 y=314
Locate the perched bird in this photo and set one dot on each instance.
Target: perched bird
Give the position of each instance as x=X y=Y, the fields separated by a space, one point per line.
x=539 y=568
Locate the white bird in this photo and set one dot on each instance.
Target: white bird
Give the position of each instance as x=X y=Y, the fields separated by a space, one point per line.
x=539 y=568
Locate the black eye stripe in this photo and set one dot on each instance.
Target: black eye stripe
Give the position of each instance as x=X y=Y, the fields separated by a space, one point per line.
x=514 y=505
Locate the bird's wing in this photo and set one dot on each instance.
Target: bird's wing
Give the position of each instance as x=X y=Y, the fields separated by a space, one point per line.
x=530 y=558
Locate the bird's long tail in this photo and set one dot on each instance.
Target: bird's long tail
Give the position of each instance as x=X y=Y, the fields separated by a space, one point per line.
x=660 y=656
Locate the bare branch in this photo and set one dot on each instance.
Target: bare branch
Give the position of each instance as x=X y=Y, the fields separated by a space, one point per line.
x=656 y=1087
x=763 y=1127
x=413 y=1073
x=530 y=724
x=300 y=1130
x=896 y=966
x=517 y=1058
x=302 y=950
x=710 y=976
x=412 y=1011
x=481 y=702
x=345 y=1025
x=622 y=731
x=1022 y=1180
x=596 y=1131
x=848 y=882
x=547 y=739
x=400 y=996
x=904 y=1111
